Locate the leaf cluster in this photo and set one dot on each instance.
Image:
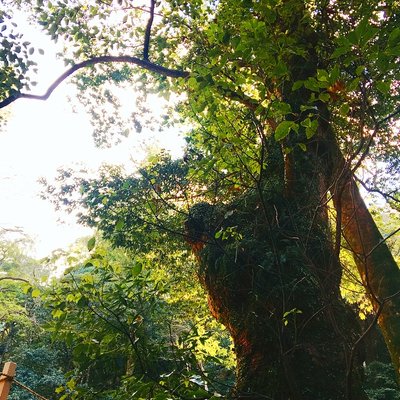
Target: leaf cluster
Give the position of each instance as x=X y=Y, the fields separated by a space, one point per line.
x=125 y=318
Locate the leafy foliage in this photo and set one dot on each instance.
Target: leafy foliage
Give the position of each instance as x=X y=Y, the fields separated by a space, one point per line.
x=126 y=322
x=23 y=339
x=381 y=382
x=15 y=56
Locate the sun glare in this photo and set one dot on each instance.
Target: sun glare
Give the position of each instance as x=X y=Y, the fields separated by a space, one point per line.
x=41 y=137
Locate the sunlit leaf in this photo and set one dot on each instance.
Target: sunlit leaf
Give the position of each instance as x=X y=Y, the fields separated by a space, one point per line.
x=283 y=129
x=137 y=268
x=91 y=243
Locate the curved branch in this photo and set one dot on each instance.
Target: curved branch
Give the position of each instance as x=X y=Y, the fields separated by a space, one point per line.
x=386 y=196
x=173 y=73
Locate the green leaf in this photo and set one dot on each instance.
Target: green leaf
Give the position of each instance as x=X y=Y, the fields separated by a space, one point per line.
x=280 y=69
x=334 y=74
x=383 y=87
x=312 y=129
x=311 y=84
x=297 y=85
x=137 y=268
x=353 y=37
x=91 y=243
x=360 y=69
x=26 y=288
x=108 y=338
x=302 y=146
x=394 y=37
x=88 y=278
x=324 y=97
x=192 y=83
x=235 y=41
x=283 y=129
x=57 y=313
x=119 y=225
x=322 y=75
x=340 y=51
x=344 y=109
x=35 y=293
x=218 y=234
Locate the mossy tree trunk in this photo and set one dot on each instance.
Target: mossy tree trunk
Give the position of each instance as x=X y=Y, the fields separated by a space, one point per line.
x=273 y=281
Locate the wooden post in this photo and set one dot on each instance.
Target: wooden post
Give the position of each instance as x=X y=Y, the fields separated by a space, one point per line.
x=6 y=379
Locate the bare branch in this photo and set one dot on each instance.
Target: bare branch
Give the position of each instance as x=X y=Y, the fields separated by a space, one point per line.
x=390 y=116
x=385 y=195
x=382 y=241
x=146 y=44
x=173 y=73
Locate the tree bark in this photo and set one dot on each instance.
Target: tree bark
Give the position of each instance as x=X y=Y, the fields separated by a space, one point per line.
x=277 y=289
x=377 y=268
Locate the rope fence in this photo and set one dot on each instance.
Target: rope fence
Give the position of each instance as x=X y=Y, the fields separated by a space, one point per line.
x=7 y=378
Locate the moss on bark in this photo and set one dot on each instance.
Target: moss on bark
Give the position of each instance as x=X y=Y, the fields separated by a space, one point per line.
x=274 y=283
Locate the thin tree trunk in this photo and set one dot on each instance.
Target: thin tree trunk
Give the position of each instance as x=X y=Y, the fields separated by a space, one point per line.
x=378 y=270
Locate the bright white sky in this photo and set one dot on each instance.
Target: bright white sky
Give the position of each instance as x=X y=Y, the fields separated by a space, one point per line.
x=43 y=136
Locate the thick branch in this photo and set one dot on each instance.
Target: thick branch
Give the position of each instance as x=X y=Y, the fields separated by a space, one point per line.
x=146 y=44
x=173 y=73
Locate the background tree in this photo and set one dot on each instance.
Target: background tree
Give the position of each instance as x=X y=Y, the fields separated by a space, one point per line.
x=23 y=339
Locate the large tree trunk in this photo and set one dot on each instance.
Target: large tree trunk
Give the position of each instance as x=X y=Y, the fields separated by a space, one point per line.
x=276 y=289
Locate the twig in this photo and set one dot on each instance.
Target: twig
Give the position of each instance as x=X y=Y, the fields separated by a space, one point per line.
x=390 y=116
x=382 y=241
x=376 y=190
x=31 y=391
